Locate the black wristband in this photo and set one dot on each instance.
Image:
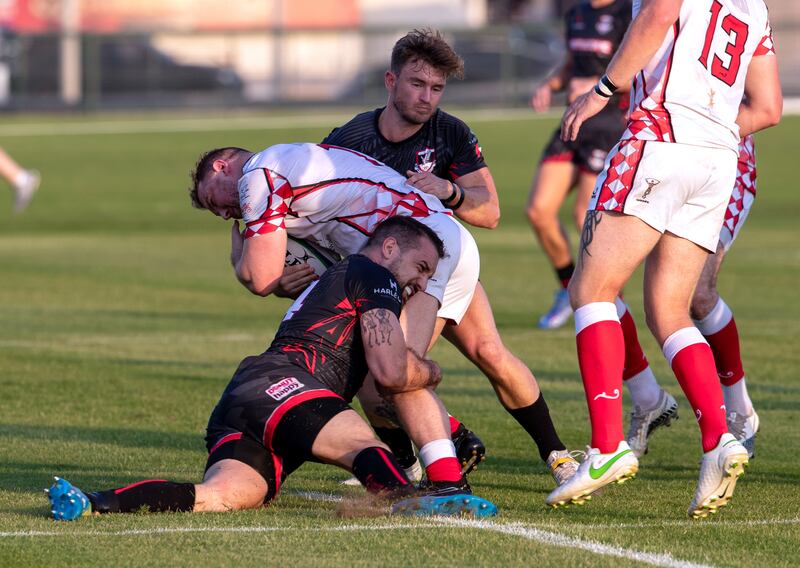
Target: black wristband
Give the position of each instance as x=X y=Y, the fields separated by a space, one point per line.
x=453 y=195
x=598 y=90
x=458 y=203
x=605 y=87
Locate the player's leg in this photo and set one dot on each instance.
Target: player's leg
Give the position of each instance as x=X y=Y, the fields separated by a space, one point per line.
x=612 y=246
x=715 y=320
x=477 y=338
x=551 y=184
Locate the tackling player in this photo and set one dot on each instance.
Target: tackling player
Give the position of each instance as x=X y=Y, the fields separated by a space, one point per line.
x=289 y=405
x=441 y=156
x=663 y=197
x=594 y=30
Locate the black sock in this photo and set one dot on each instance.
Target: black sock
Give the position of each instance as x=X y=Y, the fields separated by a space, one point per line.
x=400 y=444
x=537 y=422
x=155 y=495
x=379 y=472
x=565 y=273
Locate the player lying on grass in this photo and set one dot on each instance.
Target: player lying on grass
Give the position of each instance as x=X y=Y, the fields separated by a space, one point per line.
x=289 y=405
x=334 y=197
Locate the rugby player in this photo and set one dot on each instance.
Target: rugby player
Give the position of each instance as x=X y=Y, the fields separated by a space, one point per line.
x=441 y=156
x=289 y=405
x=663 y=197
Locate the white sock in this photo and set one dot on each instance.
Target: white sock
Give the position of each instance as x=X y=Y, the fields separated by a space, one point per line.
x=644 y=389
x=436 y=450
x=736 y=398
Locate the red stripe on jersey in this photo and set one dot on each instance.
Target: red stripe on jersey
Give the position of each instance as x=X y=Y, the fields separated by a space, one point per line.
x=137 y=484
x=278 y=414
x=225 y=440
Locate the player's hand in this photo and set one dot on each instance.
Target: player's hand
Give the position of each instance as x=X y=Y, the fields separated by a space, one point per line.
x=541 y=98
x=581 y=109
x=429 y=183
x=294 y=280
x=237 y=243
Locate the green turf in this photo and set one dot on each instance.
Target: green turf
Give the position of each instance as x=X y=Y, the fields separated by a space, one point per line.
x=121 y=322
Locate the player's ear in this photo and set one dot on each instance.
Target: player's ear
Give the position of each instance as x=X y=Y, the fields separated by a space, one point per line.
x=219 y=165
x=389 y=79
x=390 y=247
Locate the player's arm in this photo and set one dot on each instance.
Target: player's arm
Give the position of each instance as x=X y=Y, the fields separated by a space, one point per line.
x=554 y=83
x=395 y=367
x=643 y=38
x=258 y=260
x=472 y=198
x=764 y=100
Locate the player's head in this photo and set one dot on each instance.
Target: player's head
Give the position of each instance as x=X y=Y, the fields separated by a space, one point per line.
x=421 y=63
x=214 y=180
x=409 y=249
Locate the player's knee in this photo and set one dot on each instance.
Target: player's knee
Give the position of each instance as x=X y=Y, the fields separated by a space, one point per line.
x=488 y=354
x=703 y=301
x=223 y=497
x=540 y=217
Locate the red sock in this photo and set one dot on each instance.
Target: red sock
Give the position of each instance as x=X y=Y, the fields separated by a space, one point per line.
x=445 y=469
x=719 y=329
x=601 y=356
x=693 y=364
x=635 y=360
x=454 y=424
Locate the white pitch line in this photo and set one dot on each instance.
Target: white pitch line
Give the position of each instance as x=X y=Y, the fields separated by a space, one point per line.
x=557 y=539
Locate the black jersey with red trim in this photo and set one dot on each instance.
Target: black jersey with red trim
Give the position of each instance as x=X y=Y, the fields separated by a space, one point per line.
x=321 y=332
x=444 y=145
x=594 y=34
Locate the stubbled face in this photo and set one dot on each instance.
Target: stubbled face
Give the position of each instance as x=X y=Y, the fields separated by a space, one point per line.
x=413 y=266
x=415 y=93
x=218 y=192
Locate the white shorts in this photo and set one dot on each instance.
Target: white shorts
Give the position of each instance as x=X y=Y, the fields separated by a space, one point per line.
x=672 y=187
x=744 y=193
x=456 y=276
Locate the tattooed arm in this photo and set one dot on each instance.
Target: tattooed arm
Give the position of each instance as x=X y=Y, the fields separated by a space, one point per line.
x=395 y=367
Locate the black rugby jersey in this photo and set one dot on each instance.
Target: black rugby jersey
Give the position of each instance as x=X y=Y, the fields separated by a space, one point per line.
x=594 y=34
x=444 y=145
x=321 y=332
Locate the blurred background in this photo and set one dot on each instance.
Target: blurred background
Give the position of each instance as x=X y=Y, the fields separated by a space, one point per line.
x=107 y=54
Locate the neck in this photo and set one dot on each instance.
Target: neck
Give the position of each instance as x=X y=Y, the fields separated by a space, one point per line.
x=394 y=127
x=600 y=3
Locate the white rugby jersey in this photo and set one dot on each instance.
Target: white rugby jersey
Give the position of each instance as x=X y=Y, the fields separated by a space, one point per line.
x=690 y=90
x=329 y=195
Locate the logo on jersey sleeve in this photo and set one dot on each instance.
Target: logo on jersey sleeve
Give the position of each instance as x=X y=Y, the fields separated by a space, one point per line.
x=391 y=291
x=284 y=388
x=425 y=160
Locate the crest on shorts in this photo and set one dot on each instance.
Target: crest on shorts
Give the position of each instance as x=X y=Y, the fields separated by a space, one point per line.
x=426 y=160
x=604 y=24
x=651 y=183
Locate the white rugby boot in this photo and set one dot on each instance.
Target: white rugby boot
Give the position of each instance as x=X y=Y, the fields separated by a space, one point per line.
x=645 y=422
x=562 y=465
x=596 y=471
x=719 y=471
x=744 y=428
x=559 y=313
x=24 y=190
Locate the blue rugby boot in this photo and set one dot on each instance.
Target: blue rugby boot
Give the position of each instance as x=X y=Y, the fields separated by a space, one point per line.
x=463 y=505
x=67 y=502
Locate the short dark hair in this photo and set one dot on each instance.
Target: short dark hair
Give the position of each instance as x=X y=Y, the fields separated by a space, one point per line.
x=407 y=231
x=205 y=165
x=428 y=46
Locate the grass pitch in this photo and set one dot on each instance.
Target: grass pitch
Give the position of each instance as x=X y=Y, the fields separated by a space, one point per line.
x=121 y=323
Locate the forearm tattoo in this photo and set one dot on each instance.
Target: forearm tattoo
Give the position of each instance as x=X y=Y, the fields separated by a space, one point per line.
x=593 y=219
x=378 y=326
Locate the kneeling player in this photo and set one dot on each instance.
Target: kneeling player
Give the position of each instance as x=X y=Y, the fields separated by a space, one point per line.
x=289 y=405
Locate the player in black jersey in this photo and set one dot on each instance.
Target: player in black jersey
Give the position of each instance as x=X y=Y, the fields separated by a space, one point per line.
x=289 y=405
x=594 y=30
x=440 y=155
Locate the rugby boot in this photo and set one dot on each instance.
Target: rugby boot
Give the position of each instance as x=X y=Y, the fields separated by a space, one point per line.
x=24 y=190
x=645 y=422
x=67 y=502
x=444 y=488
x=562 y=465
x=744 y=428
x=470 y=450
x=447 y=499
x=719 y=471
x=596 y=471
x=559 y=313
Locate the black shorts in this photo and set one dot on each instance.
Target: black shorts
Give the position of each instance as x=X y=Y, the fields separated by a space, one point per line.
x=588 y=152
x=268 y=418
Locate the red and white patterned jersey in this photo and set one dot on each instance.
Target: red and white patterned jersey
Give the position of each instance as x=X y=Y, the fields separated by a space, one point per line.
x=329 y=195
x=690 y=90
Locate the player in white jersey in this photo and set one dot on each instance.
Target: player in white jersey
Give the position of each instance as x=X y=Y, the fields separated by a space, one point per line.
x=714 y=319
x=663 y=197
x=335 y=197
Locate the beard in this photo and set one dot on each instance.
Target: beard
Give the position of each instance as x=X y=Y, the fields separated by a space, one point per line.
x=414 y=114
